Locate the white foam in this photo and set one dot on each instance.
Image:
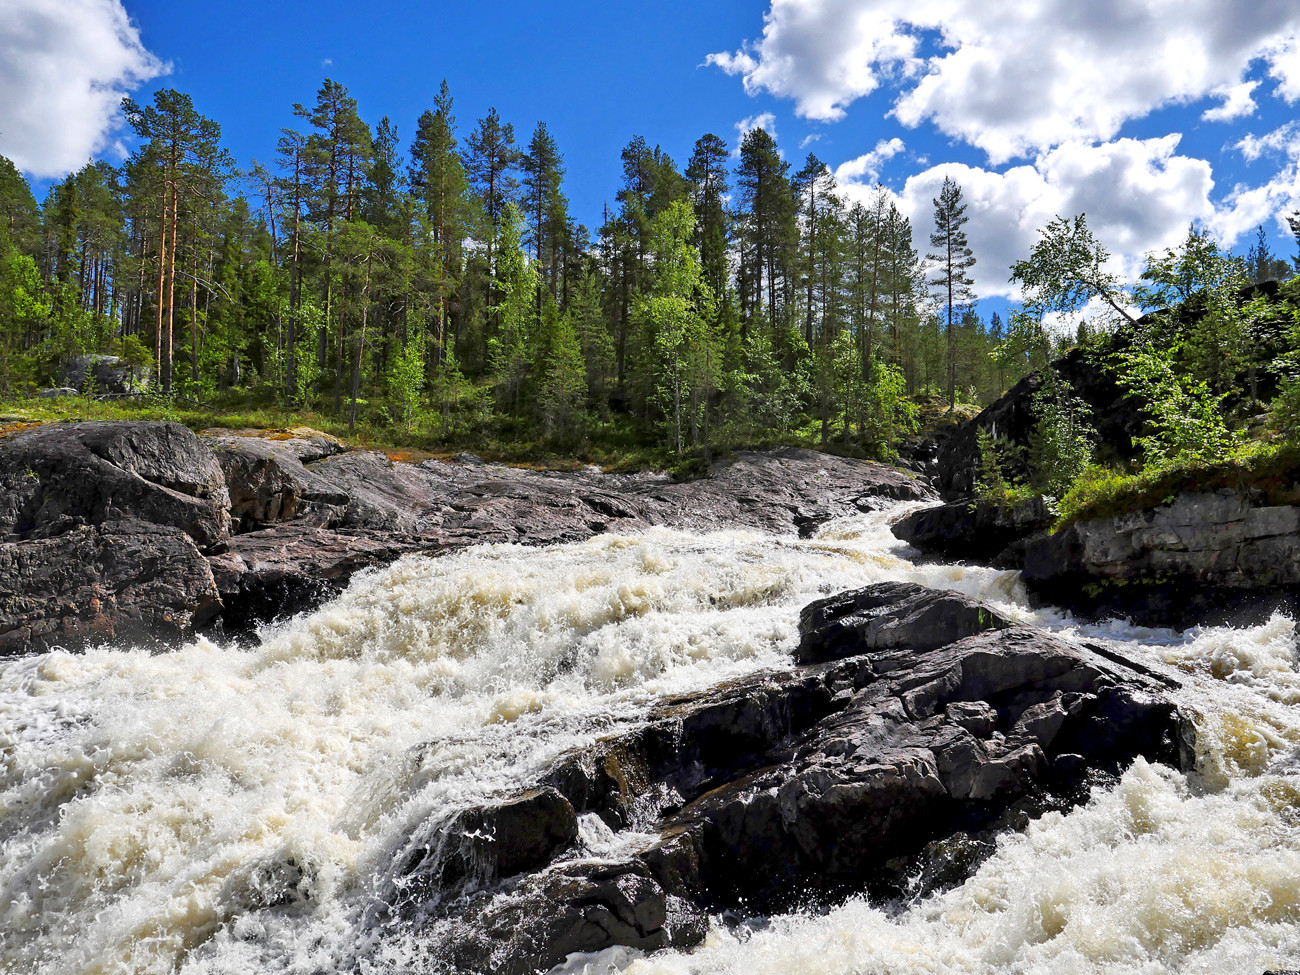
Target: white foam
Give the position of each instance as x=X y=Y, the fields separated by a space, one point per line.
x=149 y=802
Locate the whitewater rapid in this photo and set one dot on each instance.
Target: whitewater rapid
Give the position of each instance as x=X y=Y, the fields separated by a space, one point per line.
x=151 y=804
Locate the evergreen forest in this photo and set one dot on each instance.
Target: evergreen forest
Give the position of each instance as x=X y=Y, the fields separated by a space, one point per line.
x=435 y=290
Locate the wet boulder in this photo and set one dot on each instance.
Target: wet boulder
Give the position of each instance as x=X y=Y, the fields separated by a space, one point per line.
x=889 y=616
x=484 y=844
x=288 y=568
x=890 y=771
x=922 y=746
x=580 y=906
x=975 y=531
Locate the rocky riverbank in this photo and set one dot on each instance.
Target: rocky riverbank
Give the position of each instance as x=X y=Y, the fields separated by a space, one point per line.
x=146 y=532
x=912 y=726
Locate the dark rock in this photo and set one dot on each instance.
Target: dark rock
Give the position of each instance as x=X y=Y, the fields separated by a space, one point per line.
x=974 y=531
x=889 y=616
x=891 y=773
x=908 y=760
x=125 y=580
x=268 y=483
x=59 y=475
x=482 y=845
x=576 y=907
x=1117 y=417
x=307 y=516
x=103 y=374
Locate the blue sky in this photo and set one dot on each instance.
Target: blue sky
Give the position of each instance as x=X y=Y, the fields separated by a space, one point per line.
x=1146 y=114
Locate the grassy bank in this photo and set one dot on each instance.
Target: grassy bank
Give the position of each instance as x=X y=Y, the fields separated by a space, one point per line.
x=1270 y=468
x=618 y=443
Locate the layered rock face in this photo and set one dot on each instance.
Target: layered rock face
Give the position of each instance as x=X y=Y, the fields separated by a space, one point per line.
x=1204 y=556
x=148 y=530
x=885 y=762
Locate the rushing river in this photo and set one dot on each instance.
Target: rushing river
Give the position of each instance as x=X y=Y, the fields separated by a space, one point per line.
x=149 y=802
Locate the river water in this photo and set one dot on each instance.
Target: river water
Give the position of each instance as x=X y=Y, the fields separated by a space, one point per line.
x=225 y=809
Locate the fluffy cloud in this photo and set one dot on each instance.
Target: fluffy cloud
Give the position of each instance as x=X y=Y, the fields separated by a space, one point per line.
x=1019 y=76
x=64 y=68
x=766 y=121
x=1139 y=196
x=1284 y=65
x=866 y=168
x=1248 y=207
x=1285 y=139
x=1238 y=101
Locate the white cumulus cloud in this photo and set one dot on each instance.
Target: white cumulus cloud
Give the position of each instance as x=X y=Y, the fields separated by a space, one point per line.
x=1017 y=77
x=866 y=168
x=1284 y=139
x=64 y=67
x=1238 y=101
x=1139 y=196
x=765 y=121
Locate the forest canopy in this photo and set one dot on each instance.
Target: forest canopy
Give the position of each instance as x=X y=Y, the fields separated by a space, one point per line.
x=441 y=284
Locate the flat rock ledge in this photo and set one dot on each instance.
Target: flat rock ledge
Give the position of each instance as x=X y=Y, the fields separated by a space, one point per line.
x=137 y=531
x=874 y=765
x=1205 y=557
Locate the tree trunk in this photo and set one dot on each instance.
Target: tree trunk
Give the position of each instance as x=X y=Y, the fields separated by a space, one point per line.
x=162 y=276
x=361 y=343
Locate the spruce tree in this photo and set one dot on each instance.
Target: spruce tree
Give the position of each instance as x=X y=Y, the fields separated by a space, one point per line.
x=951 y=260
x=563 y=386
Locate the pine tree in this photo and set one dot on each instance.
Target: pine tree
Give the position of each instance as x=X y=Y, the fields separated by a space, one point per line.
x=437 y=178
x=707 y=174
x=292 y=190
x=952 y=259
x=768 y=228
x=814 y=188
x=336 y=154
x=490 y=162
x=183 y=149
x=547 y=208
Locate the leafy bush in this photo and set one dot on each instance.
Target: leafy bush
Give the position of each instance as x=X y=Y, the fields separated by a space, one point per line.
x=1061 y=445
x=1187 y=419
